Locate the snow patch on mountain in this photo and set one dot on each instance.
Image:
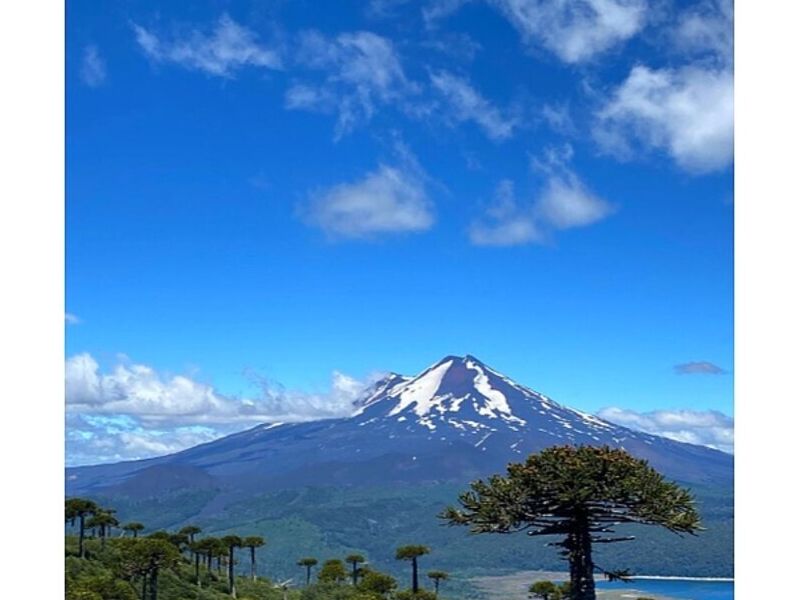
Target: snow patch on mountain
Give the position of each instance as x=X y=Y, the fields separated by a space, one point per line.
x=421 y=392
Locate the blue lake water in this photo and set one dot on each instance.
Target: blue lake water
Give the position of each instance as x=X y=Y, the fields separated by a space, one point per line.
x=675 y=588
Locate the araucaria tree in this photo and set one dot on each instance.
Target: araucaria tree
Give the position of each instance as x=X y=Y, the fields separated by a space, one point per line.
x=436 y=576
x=79 y=508
x=354 y=560
x=253 y=542
x=149 y=556
x=308 y=563
x=412 y=553
x=134 y=528
x=579 y=493
x=103 y=520
x=231 y=543
x=332 y=571
x=207 y=547
x=190 y=531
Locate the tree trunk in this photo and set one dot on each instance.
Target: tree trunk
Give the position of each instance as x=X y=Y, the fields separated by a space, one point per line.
x=581 y=567
x=144 y=586
x=154 y=584
x=103 y=537
x=197 y=567
x=135 y=534
x=355 y=573
x=414 y=576
x=253 y=562
x=308 y=575
x=231 y=582
x=81 y=535
x=436 y=587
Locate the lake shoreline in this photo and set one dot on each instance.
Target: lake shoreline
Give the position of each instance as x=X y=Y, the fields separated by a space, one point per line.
x=515 y=584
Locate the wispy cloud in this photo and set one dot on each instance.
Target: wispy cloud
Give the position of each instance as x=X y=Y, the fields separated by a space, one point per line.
x=435 y=10
x=505 y=222
x=706 y=31
x=575 y=30
x=382 y=9
x=465 y=103
x=361 y=70
x=220 y=52
x=706 y=428
x=93 y=67
x=702 y=367
x=389 y=200
x=564 y=202
x=71 y=319
x=134 y=411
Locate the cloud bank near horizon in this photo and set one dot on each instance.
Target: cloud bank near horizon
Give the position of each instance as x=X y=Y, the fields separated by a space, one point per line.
x=702 y=427
x=133 y=411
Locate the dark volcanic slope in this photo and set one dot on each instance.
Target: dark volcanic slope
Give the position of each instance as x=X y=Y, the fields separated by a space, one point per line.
x=457 y=420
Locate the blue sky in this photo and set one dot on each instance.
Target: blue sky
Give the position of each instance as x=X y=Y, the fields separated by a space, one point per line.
x=270 y=202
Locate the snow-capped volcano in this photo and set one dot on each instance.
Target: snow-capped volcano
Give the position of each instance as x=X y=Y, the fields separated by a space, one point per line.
x=456 y=420
x=463 y=396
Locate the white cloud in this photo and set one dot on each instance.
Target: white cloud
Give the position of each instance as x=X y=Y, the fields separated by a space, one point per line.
x=92 y=439
x=133 y=411
x=505 y=223
x=434 y=10
x=361 y=70
x=228 y=48
x=706 y=428
x=71 y=319
x=685 y=112
x=563 y=203
x=706 y=29
x=385 y=201
x=93 y=67
x=384 y=8
x=566 y=203
x=141 y=392
x=559 y=118
x=575 y=30
x=466 y=104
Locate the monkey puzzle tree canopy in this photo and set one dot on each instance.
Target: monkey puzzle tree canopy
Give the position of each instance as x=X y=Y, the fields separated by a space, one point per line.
x=190 y=531
x=333 y=571
x=580 y=493
x=134 y=527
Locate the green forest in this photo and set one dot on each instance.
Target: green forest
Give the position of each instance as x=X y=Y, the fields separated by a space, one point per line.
x=580 y=499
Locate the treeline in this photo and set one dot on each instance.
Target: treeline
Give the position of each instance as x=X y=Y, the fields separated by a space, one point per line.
x=111 y=560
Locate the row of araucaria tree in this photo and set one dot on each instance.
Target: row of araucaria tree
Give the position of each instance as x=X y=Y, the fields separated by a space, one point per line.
x=140 y=558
